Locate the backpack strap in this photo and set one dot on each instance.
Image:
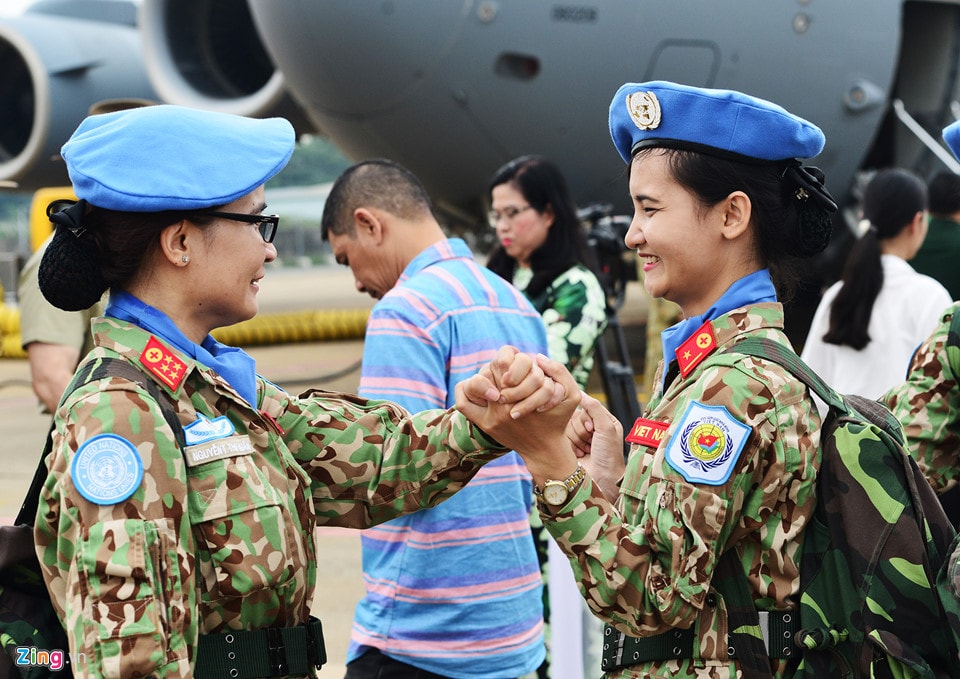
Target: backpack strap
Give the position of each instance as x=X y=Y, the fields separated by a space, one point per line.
x=91 y=372
x=784 y=356
x=744 y=632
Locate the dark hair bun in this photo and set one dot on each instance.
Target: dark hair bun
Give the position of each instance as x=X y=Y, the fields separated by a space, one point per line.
x=816 y=228
x=814 y=205
x=69 y=274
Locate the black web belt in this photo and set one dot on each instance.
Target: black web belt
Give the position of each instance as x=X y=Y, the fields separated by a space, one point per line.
x=619 y=650
x=262 y=653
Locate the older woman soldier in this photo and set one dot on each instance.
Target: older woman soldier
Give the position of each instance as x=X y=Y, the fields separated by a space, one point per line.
x=184 y=546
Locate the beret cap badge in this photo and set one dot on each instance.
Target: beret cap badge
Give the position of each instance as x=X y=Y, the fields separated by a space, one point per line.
x=644 y=110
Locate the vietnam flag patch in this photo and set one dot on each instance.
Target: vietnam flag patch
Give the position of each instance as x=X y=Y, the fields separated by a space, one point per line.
x=163 y=363
x=696 y=348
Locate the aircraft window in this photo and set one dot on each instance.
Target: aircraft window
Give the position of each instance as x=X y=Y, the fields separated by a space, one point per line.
x=519 y=66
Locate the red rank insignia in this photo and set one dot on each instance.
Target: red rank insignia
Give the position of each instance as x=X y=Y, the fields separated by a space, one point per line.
x=647 y=432
x=696 y=348
x=163 y=363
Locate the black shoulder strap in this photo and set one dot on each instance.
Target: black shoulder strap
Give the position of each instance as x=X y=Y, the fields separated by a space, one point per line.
x=742 y=617
x=730 y=580
x=90 y=372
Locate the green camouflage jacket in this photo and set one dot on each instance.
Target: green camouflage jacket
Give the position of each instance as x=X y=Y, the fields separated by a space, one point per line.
x=645 y=565
x=574 y=310
x=218 y=535
x=927 y=403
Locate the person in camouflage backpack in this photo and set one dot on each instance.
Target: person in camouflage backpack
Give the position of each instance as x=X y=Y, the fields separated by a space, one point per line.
x=725 y=457
x=927 y=403
x=188 y=550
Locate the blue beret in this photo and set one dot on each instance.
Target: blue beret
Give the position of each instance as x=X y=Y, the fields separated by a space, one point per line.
x=951 y=135
x=173 y=158
x=723 y=122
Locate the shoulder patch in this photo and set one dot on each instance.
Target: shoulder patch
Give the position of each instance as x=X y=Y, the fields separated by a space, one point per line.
x=696 y=348
x=163 y=363
x=107 y=469
x=706 y=444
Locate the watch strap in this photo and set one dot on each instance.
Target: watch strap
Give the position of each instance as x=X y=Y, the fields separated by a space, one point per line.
x=571 y=483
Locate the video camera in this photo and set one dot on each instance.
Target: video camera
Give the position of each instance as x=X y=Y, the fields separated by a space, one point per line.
x=605 y=234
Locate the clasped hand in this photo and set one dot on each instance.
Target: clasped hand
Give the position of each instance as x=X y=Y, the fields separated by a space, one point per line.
x=523 y=401
x=530 y=404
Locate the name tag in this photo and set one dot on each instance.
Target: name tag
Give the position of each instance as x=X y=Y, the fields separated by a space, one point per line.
x=647 y=432
x=232 y=446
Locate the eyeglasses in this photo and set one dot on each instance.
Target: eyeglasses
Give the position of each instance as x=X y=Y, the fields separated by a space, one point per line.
x=267 y=223
x=509 y=214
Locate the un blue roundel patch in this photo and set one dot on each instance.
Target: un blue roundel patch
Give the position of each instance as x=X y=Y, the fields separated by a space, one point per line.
x=107 y=469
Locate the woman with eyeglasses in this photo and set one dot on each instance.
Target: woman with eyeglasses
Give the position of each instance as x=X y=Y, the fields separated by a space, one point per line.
x=543 y=251
x=175 y=529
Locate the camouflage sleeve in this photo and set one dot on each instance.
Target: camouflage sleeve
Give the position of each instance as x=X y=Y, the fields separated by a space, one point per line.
x=371 y=461
x=646 y=564
x=927 y=404
x=120 y=574
x=574 y=317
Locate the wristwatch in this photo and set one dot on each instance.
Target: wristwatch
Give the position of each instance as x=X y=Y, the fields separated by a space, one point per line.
x=555 y=493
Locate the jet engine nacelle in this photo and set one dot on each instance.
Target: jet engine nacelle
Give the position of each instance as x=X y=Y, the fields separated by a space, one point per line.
x=207 y=54
x=57 y=60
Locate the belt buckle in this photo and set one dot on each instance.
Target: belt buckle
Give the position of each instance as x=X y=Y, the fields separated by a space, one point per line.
x=277 y=652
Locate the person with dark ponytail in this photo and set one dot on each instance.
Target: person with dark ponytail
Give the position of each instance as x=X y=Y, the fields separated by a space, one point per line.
x=724 y=459
x=927 y=401
x=869 y=323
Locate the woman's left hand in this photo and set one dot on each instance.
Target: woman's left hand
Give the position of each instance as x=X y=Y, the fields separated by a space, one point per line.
x=597 y=438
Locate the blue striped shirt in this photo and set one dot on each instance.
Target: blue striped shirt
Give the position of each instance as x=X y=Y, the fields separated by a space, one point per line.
x=455 y=590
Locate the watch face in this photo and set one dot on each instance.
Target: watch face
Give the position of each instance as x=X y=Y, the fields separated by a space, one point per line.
x=555 y=493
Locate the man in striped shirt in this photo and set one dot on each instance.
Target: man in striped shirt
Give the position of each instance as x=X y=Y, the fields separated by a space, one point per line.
x=456 y=590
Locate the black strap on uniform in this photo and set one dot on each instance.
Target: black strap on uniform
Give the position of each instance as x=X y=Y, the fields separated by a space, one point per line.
x=744 y=633
x=262 y=653
x=753 y=637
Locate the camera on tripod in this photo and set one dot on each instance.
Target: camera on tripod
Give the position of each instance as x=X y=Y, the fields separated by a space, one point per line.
x=605 y=234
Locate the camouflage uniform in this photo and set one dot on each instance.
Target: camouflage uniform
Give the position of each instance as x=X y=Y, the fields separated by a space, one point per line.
x=928 y=406
x=211 y=541
x=646 y=565
x=574 y=310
